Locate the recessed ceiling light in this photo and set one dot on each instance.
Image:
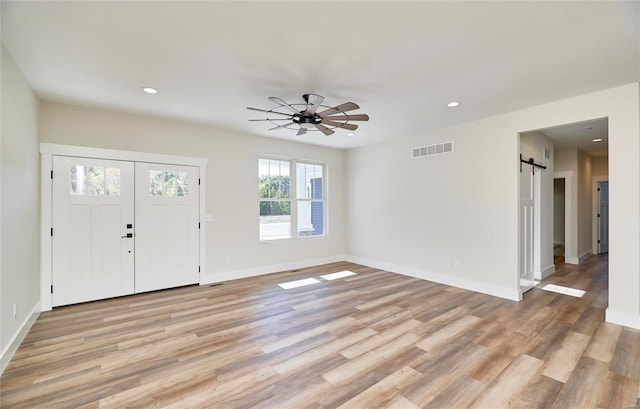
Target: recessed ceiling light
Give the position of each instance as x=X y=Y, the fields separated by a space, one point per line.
x=597 y=140
x=150 y=90
x=453 y=104
x=351 y=134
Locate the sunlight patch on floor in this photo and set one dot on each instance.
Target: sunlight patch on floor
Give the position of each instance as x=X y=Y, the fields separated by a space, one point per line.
x=298 y=283
x=335 y=276
x=564 y=290
x=309 y=281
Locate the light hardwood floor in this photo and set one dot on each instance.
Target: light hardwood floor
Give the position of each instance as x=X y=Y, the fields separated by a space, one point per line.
x=372 y=340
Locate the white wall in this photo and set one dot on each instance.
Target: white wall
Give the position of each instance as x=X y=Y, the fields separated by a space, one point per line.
x=532 y=145
x=600 y=166
x=578 y=163
x=449 y=218
x=19 y=209
x=566 y=165
x=232 y=175
x=585 y=210
x=421 y=215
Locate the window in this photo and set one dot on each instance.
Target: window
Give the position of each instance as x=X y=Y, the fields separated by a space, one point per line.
x=275 y=199
x=284 y=214
x=173 y=184
x=309 y=192
x=94 y=181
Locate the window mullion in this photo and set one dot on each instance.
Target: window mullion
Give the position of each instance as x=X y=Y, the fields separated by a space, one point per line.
x=293 y=194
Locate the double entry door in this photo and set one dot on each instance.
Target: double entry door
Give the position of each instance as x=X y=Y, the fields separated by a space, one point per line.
x=122 y=227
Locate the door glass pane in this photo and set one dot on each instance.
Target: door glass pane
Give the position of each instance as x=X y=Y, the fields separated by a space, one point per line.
x=155 y=182
x=275 y=219
x=113 y=181
x=90 y=180
x=95 y=180
x=182 y=184
x=169 y=184
x=310 y=218
x=77 y=176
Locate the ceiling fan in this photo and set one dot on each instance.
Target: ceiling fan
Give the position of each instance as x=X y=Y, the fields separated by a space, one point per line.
x=303 y=116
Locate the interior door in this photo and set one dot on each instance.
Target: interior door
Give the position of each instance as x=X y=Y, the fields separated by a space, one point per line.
x=526 y=231
x=167 y=236
x=92 y=229
x=603 y=217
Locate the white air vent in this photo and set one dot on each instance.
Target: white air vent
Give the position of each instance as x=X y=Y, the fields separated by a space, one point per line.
x=437 y=149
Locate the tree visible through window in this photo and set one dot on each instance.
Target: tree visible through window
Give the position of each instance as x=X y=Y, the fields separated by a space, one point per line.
x=275 y=180
x=166 y=183
x=94 y=180
x=274 y=183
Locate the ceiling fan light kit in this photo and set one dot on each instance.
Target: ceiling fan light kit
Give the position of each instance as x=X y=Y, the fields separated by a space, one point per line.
x=303 y=117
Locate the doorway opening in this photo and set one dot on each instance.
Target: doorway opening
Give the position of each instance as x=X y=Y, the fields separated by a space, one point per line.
x=559 y=219
x=577 y=195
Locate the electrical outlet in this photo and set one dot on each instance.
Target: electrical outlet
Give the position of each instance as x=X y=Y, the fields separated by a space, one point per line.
x=15 y=311
x=227 y=260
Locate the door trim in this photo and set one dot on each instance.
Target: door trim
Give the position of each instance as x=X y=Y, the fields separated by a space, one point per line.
x=48 y=150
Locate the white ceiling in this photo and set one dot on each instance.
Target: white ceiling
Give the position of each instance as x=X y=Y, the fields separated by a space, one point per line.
x=402 y=62
x=581 y=135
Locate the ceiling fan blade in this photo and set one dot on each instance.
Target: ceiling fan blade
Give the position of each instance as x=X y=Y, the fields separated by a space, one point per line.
x=280 y=102
x=281 y=126
x=313 y=102
x=356 y=117
x=347 y=106
x=301 y=131
x=268 y=111
x=324 y=129
x=271 y=119
x=350 y=127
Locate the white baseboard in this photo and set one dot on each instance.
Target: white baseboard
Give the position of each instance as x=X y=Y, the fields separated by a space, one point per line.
x=546 y=272
x=622 y=318
x=464 y=283
x=571 y=260
x=17 y=339
x=584 y=256
x=274 y=268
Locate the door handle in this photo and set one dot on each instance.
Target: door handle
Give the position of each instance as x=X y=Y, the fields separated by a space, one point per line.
x=128 y=236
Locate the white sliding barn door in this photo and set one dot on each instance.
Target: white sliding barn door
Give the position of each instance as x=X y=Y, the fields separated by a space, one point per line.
x=92 y=215
x=526 y=230
x=167 y=236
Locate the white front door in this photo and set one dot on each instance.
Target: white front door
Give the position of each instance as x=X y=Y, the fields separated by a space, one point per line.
x=167 y=236
x=92 y=229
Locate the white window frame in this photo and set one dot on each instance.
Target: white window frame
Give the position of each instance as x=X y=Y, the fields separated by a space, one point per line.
x=293 y=198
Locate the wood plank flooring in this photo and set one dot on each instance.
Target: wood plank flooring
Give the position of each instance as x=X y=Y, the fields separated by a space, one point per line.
x=372 y=340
